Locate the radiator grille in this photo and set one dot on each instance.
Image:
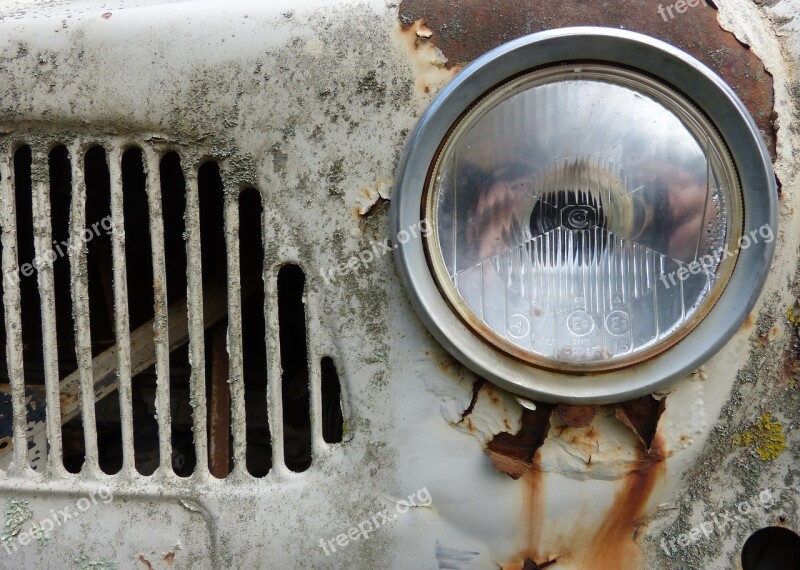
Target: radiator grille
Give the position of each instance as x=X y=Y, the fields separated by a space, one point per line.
x=126 y=269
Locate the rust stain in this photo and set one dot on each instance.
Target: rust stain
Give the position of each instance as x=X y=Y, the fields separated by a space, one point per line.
x=614 y=546
x=529 y=558
x=465 y=30
x=749 y=322
x=514 y=454
x=576 y=416
x=169 y=558
x=146 y=562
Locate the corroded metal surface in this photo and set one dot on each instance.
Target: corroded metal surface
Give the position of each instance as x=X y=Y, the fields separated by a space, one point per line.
x=312 y=105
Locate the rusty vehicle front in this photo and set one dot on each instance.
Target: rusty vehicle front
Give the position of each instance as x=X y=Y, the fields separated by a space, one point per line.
x=421 y=284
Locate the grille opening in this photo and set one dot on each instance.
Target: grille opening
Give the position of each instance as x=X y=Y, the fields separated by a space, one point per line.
x=139 y=271
x=213 y=253
x=332 y=418
x=772 y=548
x=72 y=436
x=101 y=299
x=32 y=353
x=6 y=430
x=251 y=260
x=294 y=362
x=173 y=203
x=215 y=211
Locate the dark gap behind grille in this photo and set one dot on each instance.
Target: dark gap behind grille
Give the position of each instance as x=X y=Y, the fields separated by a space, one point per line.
x=332 y=419
x=294 y=362
x=259 y=446
x=72 y=435
x=5 y=400
x=173 y=203
x=139 y=269
x=213 y=251
x=32 y=352
x=101 y=299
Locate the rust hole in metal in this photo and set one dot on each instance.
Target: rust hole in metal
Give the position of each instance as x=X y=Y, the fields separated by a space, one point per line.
x=641 y=415
x=514 y=454
x=465 y=30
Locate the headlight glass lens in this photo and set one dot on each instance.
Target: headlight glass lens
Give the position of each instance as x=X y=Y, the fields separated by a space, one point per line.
x=584 y=217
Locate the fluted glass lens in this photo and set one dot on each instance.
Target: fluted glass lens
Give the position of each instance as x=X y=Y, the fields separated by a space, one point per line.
x=583 y=217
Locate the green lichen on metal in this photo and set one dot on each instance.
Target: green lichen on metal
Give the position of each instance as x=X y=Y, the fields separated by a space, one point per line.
x=86 y=563
x=765 y=437
x=17 y=512
x=41 y=535
x=793 y=314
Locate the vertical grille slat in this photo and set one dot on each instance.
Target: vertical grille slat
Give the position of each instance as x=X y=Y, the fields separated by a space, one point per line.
x=235 y=358
x=121 y=311
x=13 y=315
x=274 y=388
x=194 y=305
x=160 y=308
x=43 y=240
x=79 y=281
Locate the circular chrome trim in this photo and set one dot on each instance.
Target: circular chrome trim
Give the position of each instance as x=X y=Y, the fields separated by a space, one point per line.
x=608 y=46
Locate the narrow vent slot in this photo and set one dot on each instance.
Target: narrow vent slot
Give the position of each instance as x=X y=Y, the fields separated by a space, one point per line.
x=72 y=437
x=173 y=189
x=214 y=270
x=332 y=418
x=33 y=356
x=100 y=265
x=294 y=362
x=251 y=263
x=140 y=303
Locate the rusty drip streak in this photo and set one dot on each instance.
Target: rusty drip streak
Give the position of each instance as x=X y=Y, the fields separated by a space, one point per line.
x=160 y=312
x=79 y=276
x=194 y=301
x=614 y=546
x=121 y=320
x=235 y=355
x=13 y=315
x=42 y=243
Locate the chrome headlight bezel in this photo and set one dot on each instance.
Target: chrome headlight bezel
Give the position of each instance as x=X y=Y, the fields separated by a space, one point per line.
x=642 y=55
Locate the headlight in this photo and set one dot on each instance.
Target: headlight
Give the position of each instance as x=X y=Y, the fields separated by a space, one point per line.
x=593 y=197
